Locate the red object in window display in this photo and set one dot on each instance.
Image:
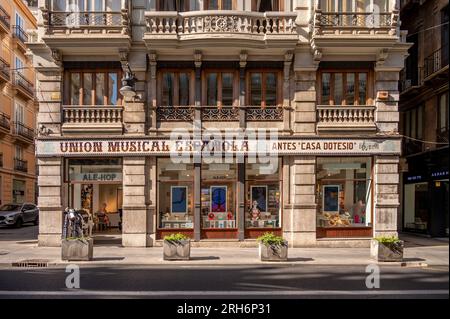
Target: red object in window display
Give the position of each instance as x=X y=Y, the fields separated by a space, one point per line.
x=230 y=216
x=211 y=216
x=356 y=219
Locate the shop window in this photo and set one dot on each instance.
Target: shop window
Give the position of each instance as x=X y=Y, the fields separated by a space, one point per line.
x=344 y=192
x=94 y=88
x=18 y=191
x=344 y=88
x=263 y=195
x=416 y=213
x=175 y=88
x=218 y=193
x=175 y=194
x=264 y=89
x=220 y=4
x=220 y=89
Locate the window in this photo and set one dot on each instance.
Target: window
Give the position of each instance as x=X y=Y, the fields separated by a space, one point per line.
x=414 y=122
x=263 y=195
x=175 y=88
x=344 y=192
x=175 y=191
x=443 y=113
x=220 y=4
x=173 y=5
x=220 y=88
x=267 y=5
x=18 y=191
x=354 y=5
x=94 y=88
x=19 y=152
x=90 y=5
x=18 y=65
x=344 y=88
x=264 y=89
x=19 y=111
x=19 y=21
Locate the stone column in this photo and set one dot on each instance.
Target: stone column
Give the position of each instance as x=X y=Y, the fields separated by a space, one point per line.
x=135 y=214
x=386 y=198
x=134 y=118
x=49 y=201
x=299 y=222
x=386 y=101
x=151 y=96
x=242 y=92
x=287 y=91
x=151 y=182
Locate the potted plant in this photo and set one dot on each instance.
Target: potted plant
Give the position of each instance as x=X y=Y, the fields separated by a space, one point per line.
x=272 y=248
x=177 y=247
x=386 y=249
x=77 y=248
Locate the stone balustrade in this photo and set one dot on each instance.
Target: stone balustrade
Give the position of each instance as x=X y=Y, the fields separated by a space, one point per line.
x=342 y=117
x=87 y=118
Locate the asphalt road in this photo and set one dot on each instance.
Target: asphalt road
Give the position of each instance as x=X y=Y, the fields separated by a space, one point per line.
x=225 y=282
x=28 y=232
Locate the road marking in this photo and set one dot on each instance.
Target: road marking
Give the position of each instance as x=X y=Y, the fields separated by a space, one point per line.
x=80 y=292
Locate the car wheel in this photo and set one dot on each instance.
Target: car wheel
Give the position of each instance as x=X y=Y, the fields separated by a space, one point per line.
x=18 y=223
x=36 y=221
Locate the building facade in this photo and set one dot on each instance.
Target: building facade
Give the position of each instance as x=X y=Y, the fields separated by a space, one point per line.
x=424 y=119
x=319 y=79
x=17 y=105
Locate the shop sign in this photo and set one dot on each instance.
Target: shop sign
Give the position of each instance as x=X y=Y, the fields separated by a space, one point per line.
x=142 y=147
x=440 y=174
x=96 y=177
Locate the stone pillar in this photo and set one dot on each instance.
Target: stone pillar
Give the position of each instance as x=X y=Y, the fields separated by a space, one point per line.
x=299 y=222
x=386 y=101
x=386 y=198
x=151 y=96
x=135 y=214
x=151 y=182
x=198 y=92
x=197 y=201
x=287 y=91
x=305 y=103
x=242 y=91
x=240 y=216
x=49 y=201
x=134 y=118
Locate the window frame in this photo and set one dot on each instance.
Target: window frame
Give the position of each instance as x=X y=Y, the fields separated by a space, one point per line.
x=220 y=86
x=206 y=4
x=439 y=115
x=177 y=5
x=279 y=4
x=279 y=88
x=369 y=87
x=106 y=99
x=409 y=126
x=176 y=97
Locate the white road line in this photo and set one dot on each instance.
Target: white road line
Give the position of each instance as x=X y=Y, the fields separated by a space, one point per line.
x=80 y=292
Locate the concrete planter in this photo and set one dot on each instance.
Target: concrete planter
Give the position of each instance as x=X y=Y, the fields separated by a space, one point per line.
x=177 y=250
x=77 y=249
x=383 y=252
x=273 y=252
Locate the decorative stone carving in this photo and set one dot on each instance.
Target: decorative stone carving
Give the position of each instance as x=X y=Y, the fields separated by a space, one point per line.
x=243 y=56
x=198 y=59
x=152 y=60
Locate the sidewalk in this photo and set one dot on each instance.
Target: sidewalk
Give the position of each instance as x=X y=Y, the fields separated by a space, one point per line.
x=418 y=252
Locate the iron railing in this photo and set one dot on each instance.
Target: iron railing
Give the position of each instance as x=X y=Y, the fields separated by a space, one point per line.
x=21 y=129
x=20 y=33
x=21 y=81
x=5 y=121
x=20 y=165
x=4 y=68
x=4 y=17
x=436 y=61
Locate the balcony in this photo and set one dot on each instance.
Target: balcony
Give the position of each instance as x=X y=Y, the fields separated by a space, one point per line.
x=345 y=118
x=442 y=135
x=436 y=65
x=87 y=32
x=82 y=119
x=169 y=29
x=20 y=165
x=23 y=133
x=410 y=81
x=365 y=32
x=23 y=86
x=4 y=20
x=19 y=38
x=4 y=71
x=5 y=126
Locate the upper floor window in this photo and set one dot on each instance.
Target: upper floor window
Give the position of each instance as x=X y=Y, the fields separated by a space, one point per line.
x=267 y=5
x=220 y=4
x=263 y=89
x=220 y=88
x=443 y=113
x=18 y=65
x=176 y=88
x=344 y=88
x=94 y=87
x=19 y=113
x=354 y=5
x=413 y=120
x=173 y=5
x=86 y=5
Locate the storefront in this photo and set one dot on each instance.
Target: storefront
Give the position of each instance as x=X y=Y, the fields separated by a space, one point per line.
x=18 y=191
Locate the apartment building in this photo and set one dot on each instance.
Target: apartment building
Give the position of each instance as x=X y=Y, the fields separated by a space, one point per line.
x=424 y=119
x=319 y=77
x=17 y=105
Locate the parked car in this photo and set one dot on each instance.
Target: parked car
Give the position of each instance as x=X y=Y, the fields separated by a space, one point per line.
x=18 y=214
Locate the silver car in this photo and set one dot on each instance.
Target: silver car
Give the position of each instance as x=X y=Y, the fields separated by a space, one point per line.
x=18 y=214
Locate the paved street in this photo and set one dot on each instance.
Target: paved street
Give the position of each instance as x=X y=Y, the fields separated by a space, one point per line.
x=220 y=282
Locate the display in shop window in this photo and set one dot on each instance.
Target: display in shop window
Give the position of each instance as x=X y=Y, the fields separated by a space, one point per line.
x=331 y=198
x=259 y=195
x=218 y=199
x=178 y=199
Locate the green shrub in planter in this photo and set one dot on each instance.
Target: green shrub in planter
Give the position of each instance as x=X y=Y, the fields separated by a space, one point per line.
x=176 y=247
x=385 y=248
x=272 y=248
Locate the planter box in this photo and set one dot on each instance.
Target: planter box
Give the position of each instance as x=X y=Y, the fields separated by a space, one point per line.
x=274 y=252
x=382 y=252
x=180 y=250
x=77 y=249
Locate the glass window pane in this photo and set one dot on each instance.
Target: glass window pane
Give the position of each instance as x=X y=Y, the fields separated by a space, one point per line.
x=271 y=89
x=100 y=88
x=338 y=88
x=420 y=122
x=325 y=98
x=167 y=89
x=443 y=112
x=184 y=89
x=227 y=89
x=87 y=88
x=227 y=4
x=362 y=92
x=75 y=88
x=113 y=5
x=413 y=123
x=211 y=95
x=256 y=89
x=350 y=89
x=212 y=5
x=113 y=87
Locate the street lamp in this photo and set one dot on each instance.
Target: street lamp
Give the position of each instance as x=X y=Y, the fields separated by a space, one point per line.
x=128 y=81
